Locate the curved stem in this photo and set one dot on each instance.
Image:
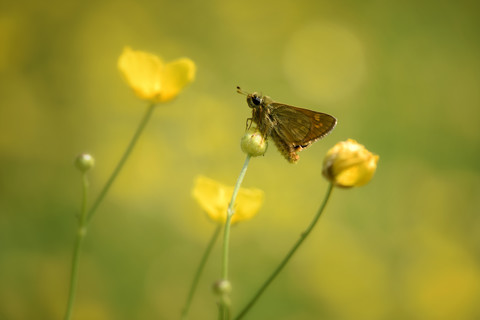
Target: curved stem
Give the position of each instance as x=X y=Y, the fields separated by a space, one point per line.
x=81 y=232
x=196 y=278
x=285 y=260
x=118 y=168
x=230 y=212
x=224 y=308
x=86 y=216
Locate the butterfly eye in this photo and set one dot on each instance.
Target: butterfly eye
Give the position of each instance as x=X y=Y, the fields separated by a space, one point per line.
x=256 y=100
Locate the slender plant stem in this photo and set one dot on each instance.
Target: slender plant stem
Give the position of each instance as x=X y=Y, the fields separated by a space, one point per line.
x=86 y=216
x=230 y=212
x=224 y=306
x=118 y=168
x=227 y=312
x=81 y=232
x=220 y=312
x=279 y=268
x=200 y=268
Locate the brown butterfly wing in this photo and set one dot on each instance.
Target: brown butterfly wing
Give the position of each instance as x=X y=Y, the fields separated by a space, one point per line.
x=295 y=128
x=301 y=127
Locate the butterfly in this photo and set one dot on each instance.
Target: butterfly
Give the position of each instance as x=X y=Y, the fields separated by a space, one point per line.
x=292 y=129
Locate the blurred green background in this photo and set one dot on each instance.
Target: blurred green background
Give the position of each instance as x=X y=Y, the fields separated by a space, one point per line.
x=402 y=78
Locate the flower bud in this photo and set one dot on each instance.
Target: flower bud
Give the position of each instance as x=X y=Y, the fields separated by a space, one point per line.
x=222 y=287
x=349 y=164
x=253 y=143
x=84 y=162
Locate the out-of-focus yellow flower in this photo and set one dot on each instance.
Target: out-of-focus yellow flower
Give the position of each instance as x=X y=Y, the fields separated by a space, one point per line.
x=153 y=80
x=215 y=197
x=349 y=164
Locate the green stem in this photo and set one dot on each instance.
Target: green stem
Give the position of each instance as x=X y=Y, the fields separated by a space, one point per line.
x=279 y=268
x=224 y=308
x=200 y=268
x=86 y=216
x=230 y=212
x=128 y=151
x=220 y=312
x=81 y=232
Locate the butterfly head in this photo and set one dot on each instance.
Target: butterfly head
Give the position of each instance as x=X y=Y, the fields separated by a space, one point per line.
x=254 y=100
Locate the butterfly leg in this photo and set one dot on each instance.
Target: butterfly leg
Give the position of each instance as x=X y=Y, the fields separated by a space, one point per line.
x=248 y=123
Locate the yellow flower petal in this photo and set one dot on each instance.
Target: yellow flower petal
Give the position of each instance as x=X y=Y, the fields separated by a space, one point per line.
x=215 y=197
x=349 y=164
x=249 y=202
x=153 y=80
x=142 y=72
x=177 y=75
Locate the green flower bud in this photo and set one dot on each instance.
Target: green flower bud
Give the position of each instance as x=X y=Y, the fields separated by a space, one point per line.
x=253 y=143
x=84 y=162
x=222 y=287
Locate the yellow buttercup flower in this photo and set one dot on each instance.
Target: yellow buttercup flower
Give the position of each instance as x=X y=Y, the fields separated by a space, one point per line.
x=349 y=164
x=153 y=80
x=215 y=197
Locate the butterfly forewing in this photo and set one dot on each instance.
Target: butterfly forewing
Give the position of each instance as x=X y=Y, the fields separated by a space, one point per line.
x=301 y=126
x=290 y=124
x=321 y=125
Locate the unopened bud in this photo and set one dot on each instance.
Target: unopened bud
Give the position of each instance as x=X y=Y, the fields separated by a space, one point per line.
x=349 y=164
x=253 y=143
x=84 y=162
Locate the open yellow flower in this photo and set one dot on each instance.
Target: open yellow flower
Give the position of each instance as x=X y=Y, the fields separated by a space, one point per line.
x=215 y=197
x=349 y=164
x=153 y=80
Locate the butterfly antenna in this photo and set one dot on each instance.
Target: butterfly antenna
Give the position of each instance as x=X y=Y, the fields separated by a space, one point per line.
x=239 y=90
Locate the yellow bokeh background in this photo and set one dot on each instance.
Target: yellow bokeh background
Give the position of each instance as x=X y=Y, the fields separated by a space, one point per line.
x=402 y=78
